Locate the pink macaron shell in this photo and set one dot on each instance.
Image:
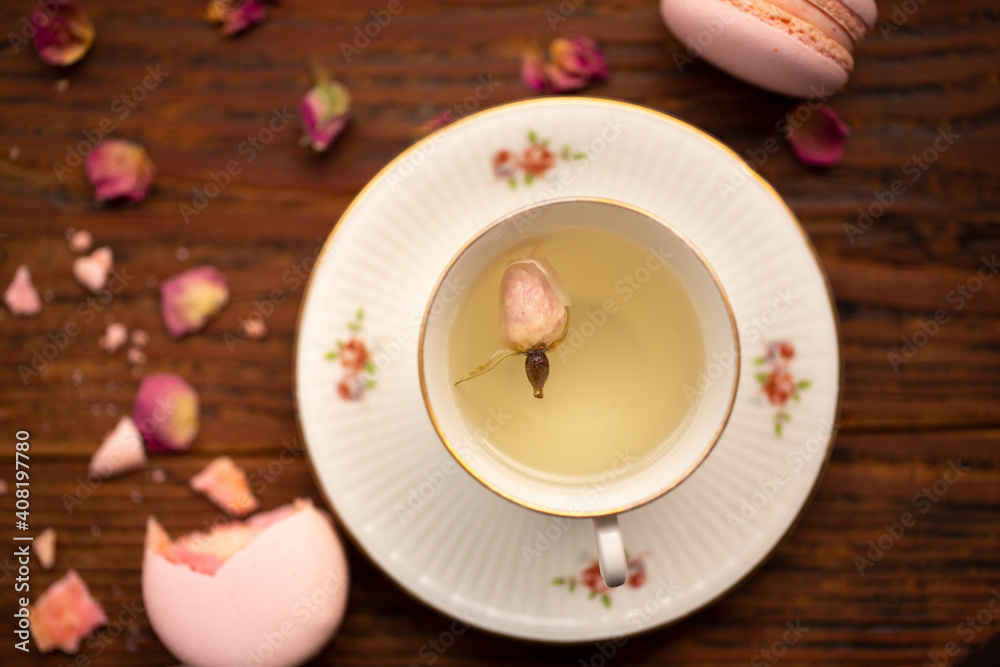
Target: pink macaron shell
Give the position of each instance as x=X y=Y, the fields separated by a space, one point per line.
x=751 y=50
x=866 y=9
x=276 y=602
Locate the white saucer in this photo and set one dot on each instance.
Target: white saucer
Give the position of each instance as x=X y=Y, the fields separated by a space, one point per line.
x=431 y=527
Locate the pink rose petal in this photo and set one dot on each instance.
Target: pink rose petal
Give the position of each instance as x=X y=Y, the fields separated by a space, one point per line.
x=235 y=16
x=120 y=452
x=324 y=113
x=533 y=70
x=63 y=32
x=226 y=485
x=21 y=296
x=135 y=356
x=189 y=299
x=114 y=337
x=580 y=56
x=81 y=241
x=140 y=337
x=120 y=169
x=64 y=614
x=255 y=329
x=819 y=141
x=92 y=270
x=44 y=546
x=167 y=413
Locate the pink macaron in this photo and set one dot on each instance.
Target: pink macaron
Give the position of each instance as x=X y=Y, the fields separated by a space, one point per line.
x=801 y=48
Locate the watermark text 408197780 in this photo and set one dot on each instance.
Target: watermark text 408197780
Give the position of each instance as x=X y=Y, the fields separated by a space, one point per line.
x=22 y=507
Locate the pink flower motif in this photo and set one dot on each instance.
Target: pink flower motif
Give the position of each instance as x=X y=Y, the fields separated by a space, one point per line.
x=235 y=16
x=63 y=35
x=351 y=387
x=505 y=163
x=324 y=113
x=538 y=159
x=786 y=350
x=354 y=355
x=819 y=140
x=779 y=387
x=120 y=169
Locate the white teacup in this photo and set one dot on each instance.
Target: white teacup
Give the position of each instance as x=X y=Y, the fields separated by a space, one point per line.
x=656 y=475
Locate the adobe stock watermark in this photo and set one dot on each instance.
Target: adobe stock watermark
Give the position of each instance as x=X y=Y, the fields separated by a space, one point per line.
x=957 y=298
x=561 y=13
x=87 y=310
x=913 y=169
x=249 y=149
x=899 y=15
x=795 y=460
x=371 y=29
x=121 y=108
x=626 y=288
x=419 y=495
x=711 y=30
x=741 y=174
x=967 y=631
x=484 y=89
x=776 y=651
x=292 y=280
x=923 y=502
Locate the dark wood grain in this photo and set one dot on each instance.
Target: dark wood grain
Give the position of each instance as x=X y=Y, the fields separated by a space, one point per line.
x=898 y=430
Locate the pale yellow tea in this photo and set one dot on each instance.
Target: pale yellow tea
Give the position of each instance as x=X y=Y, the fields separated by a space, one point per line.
x=615 y=390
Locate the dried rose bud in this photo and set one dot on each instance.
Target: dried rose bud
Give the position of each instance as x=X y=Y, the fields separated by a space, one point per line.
x=120 y=452
x=235 y=16
x=166 y=412
x=92 y=270
x=324 y=112
x=226 y=485
x=118 y=168
x=579 y=61
x=63 y=32
x=534 y=318
x=64 y=614
x=114 y=337
x=189 y=299
x=21 y=296
x=533 y=70
x=819 y=140
x=533 y=305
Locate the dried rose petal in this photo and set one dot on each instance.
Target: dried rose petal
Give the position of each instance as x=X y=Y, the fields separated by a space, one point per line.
x=324 y=112
x=819 y=140
x=255 y=329
x=92 y=270
x=579 y=57
x=235 y=16
x=533 y=303
x=119 y=168
x=44 y=547
x=226 y=485
x=63 y=32
x=21 y=296
x=120 y=452
x=140 y=337
x=80 y=241
x=533 y=70
x=135 y=356
x=114 y=337
x=166 y=412
x=189 y=299
x=64 y=614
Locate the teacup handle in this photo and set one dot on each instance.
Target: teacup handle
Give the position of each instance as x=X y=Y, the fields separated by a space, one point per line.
x=610 y=550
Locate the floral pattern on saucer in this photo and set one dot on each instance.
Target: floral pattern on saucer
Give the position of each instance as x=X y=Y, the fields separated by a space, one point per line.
x=533 y=162
x=777 y=381
x=590 y=578
x=355 y=358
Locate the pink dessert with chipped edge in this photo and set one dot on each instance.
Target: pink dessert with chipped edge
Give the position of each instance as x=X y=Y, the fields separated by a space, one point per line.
x=801 y=48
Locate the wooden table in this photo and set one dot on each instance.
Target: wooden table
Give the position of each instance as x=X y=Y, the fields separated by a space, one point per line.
x=898 y=432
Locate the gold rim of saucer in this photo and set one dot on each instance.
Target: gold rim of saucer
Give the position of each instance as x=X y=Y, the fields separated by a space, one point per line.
x=570 y=101
x=715 y=281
